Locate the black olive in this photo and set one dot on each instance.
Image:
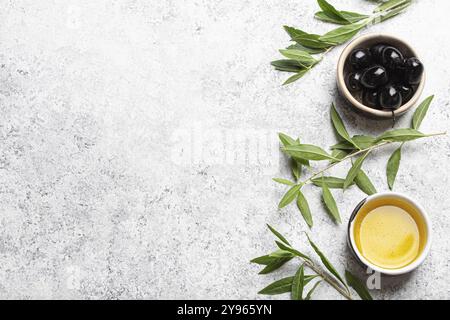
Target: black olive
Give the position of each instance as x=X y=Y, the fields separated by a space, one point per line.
x=370 y=99
x=391 y=58
x=353 y=81
x=390 y=98
x=407 y=92
x=360 y=59
x=374 y=77
x=413 y=70
x=377 y=51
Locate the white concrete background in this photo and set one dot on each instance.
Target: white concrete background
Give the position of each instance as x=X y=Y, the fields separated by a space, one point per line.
x=96 y=97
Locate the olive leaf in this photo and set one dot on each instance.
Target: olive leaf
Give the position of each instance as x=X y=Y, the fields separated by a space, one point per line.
x=308 y=152
x=283 y=285
x=281 y=254
x=284 y=181
x=295 y=77
x=287 y=65
x=364 y=141
x=394 y=12
x=310 y=292
x=421 y=112
x=307 y=40
x=401 y=135
x=393 y=166
x=288 y=248
x=354 y=170
x=289 y=196
x=364 y=184
x=296 y=168
x=275 y=265
x=350 y=17
x=304 y=209
x=298 y=283
x=303 y=48
x=278 y=235
x=286 y=140
x=321 y=15
x=358 y=286
x=330 y=203
x=331 y=182
x=344 y=33
x=338 y=155
x=390 y=5
x=326 y=262
x=303 y=57
x=353 y=16
x=331 y=11
x=339 y=126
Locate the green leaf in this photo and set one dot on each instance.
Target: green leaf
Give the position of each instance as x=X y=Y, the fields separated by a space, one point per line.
x=401 y=135
x=278 y=235
x=364 y=184
x=285 y=247
x=298 y=283
x=308 y=152
x=303 y=206
x=339 y=126
x=354 y=170
x=303 y=48
x=293 y=32
x=295 y=77
x=271 y=258
x=343 y=145
x=284 y=181
x=349 y=17
x=363 y=141
x=313 y=41
x=353 y=16
x=281 y=254
x=393 y=13
x=330 y=11
x=307 y=40
x=286 y=140
x=321 y=15
x=296 y=168
x=278 y=287
x=326 y=262
x=338 y=155
x=392 y=167
x=421 y=112
x=358 y=286
x=330 y=203
x=287 y=65
x=274 y=265
x=392 y=4
x=303 y=57
x=344 y=33
x=308 y=296
x=289 y=196
x=263 y=260
x=331 y=182
x=283 y=285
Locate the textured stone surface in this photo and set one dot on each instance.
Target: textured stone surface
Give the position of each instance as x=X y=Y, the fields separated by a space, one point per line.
x=121 y=170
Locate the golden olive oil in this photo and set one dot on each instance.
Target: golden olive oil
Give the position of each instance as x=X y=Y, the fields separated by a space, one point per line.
x=389 y=232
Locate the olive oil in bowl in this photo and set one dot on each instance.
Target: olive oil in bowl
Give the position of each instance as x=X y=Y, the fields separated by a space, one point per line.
x=389 y=233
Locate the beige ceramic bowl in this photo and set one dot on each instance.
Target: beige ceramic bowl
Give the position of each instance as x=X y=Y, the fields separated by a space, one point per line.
x=343 y=69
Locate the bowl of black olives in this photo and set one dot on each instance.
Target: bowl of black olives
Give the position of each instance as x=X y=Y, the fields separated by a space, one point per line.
x=380 y=75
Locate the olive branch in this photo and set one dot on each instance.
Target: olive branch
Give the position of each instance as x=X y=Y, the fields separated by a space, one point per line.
x=309 y=49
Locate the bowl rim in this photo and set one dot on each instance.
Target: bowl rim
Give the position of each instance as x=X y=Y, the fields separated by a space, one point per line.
x=408 y=268
x=384 y=37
